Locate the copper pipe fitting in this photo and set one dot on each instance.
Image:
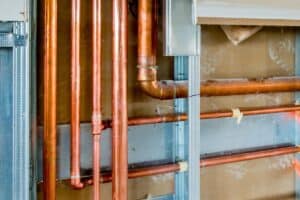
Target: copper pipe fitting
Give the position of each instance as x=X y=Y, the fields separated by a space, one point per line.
x=147 y=69
x=119 y=101
x=50 y=68
x=75 y=95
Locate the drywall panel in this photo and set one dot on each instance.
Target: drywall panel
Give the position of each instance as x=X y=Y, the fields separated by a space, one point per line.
x=268 y=12
x=263 y=179
x=13 y=10
x=268 y=53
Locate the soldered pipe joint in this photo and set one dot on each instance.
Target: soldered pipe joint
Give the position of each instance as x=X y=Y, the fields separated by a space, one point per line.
x=147 y=73
x=97 y=125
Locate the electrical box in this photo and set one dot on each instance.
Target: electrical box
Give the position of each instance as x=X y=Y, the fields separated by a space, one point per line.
x=13 y=10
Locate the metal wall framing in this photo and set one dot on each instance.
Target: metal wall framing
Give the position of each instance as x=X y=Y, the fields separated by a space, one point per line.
x=15 y=114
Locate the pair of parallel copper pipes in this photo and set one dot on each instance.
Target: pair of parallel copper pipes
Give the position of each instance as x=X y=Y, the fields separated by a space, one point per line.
x=119 y=100
x=147 y=77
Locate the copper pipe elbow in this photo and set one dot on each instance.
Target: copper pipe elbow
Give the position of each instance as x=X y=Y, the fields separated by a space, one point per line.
x=165 y=89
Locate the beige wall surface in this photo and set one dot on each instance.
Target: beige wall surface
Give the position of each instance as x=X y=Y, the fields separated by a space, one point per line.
x=268 y=53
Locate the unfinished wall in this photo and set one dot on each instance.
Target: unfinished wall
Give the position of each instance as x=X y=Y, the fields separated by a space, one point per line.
x=268 y=53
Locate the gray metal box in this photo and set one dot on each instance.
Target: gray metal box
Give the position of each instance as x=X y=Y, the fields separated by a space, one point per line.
x=13 y=10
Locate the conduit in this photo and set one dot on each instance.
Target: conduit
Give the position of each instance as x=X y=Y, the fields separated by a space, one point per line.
x=75 y=94
x=96 y=111
x=166 y=89
x=119 y=101
x=50 y=64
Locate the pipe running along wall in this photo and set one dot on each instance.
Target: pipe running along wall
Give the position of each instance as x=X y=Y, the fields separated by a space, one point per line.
x=75 y=95
x=206 y=162
x=208 y=115
x=165 y=89
x=50 y=68
x=119 y=101
x=96 y=111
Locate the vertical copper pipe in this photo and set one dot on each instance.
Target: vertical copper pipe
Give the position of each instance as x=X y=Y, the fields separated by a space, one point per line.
x=146 y=34
x=49 y=62
x=75 y=94
x=119 y=102
x=96 y=115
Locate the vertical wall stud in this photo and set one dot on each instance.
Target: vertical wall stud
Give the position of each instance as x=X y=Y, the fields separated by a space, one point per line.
x=194 y=128
x=180 y=139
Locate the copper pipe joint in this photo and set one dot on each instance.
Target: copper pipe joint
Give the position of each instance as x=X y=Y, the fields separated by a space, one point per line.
x=147 y=73
x=164 y=89
x=97 y=125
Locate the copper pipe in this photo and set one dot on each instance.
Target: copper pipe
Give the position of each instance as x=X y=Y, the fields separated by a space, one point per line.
x=147 y=171
x=147 y=68
x=119 y=101
x=252 y=111
x=50 y=64
x=207 y=162
x=75 y=95
x=208 y=115
x=237 y=87
x=96 y=111
x=248 y=156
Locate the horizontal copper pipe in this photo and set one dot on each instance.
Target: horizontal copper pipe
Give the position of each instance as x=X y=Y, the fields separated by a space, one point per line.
x=208 y=115
x=147 y=171
x=248 y=156
x=252 y=111
x=178 y=89
x=207 y=162
x=239 y=87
